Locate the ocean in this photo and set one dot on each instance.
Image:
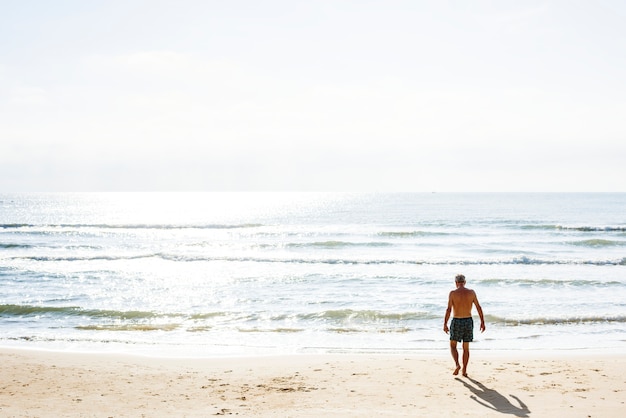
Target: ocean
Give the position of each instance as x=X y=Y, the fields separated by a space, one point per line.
x=238 y=274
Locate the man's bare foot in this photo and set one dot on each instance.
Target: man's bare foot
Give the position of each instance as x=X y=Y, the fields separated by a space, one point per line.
x=464 y=373
x=456 y=371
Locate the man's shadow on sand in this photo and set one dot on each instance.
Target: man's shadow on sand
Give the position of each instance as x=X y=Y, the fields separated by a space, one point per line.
x=492 y=399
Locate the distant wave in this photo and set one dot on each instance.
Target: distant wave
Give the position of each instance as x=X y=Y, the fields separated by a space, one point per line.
x=132 y=226
x=523 y=260
x=129 y=327
x=8 y=246
x=337 y=244
x=10 y=226
x=616 y=228
x=528 y=260
x=378 y=330
x=554 y=321
x=90 y=258
x=366 y=315
x=409 y=234
x=551 y=282
x=596 y=243
x=278 y=330
x=392 y=234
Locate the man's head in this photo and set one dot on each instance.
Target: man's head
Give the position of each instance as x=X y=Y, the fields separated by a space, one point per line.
x=459 y=279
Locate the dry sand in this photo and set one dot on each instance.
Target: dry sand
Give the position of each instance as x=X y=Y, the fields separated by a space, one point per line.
x=51 y=384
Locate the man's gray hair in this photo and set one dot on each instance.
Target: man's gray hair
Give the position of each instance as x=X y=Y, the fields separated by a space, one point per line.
x=460 y=278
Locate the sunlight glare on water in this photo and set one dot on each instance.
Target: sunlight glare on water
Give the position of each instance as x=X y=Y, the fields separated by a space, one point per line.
x=240 y=272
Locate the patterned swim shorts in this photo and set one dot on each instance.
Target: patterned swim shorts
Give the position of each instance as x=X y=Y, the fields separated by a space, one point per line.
x=462 y=329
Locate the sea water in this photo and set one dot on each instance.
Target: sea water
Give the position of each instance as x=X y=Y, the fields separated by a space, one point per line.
x=221 y=274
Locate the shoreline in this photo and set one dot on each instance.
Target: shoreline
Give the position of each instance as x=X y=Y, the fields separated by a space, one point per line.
x=53 y=383
x=443 y=351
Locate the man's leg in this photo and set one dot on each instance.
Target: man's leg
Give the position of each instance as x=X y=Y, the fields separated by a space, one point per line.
x=466 y=355
x=455 y=356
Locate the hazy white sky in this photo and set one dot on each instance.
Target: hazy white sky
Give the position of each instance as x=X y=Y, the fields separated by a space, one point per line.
x=312 y=95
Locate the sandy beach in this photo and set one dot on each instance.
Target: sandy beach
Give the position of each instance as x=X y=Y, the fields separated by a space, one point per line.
x=47 y=384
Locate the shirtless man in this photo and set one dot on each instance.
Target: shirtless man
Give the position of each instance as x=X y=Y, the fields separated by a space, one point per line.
x=461 y=328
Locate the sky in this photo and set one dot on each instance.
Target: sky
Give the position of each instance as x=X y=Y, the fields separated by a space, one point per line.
x=211 y=95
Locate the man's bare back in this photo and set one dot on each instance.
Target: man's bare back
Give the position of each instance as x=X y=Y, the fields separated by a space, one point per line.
x=462 y=300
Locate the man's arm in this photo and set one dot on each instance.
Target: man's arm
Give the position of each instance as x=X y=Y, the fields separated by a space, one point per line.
x=480 y=313
x=448 y=312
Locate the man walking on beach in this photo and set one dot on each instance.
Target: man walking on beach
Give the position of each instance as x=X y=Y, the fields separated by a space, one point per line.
x=461 y=328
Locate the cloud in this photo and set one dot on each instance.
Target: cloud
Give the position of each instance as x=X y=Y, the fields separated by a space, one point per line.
x=26 y=96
